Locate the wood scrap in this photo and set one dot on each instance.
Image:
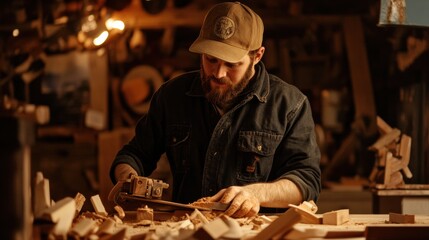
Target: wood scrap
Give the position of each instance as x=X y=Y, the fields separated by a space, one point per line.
x=393 y=150
x=401 y=218
x=337 y=217
x=42 y=197
x=306 y=215
x=212 y=230
x=84 y=227
x=279 y=227
x=144 y=213
x=80 y=201
x=107 y=227
x=62 y=214
x=120 y=211
x=234 y=231
x=98 y=205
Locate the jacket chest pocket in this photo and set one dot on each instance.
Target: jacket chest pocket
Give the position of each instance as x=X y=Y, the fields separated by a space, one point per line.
x=255 y=155
x=178 y=146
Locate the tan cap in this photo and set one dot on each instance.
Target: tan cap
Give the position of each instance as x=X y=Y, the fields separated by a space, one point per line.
x=230 y=30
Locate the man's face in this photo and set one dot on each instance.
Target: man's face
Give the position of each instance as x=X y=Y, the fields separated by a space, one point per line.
x=223 y=81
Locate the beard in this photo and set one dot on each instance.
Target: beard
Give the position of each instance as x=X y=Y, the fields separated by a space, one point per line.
x=224 y=98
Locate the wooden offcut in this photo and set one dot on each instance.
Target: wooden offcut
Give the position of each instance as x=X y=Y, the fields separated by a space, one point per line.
x=144 y=213
x=337 y=217
x=279 y=227
x=212 y=230
x=401 y=218
x=98 y=205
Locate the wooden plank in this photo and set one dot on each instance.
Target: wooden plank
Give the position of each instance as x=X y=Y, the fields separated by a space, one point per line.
x=359 y=72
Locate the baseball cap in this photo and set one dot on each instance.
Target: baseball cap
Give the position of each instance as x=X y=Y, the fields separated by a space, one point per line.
x=230 y=30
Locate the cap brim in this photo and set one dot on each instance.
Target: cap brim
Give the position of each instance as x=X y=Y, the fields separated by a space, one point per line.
x=219 y=50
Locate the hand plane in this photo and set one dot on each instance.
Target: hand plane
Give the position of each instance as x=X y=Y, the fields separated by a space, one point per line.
x=139 y=191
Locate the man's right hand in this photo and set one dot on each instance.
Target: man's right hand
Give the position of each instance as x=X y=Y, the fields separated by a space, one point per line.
x=123 y=172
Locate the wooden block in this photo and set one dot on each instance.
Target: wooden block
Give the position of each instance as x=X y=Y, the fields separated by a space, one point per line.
x=42 y=197
x=212 y=230
x=98 y=205
x=388 y=168
x=234 y=229
x=62 y=214
x=280 y=226
x=144 y=213
x=401 y=218
x=386 y=139
x=383 y=127
x=196 y=214
x=118 y=235
x=107 y=227
x=337 y=217
x=405 y=149
x=84 y=227
x=309 y=206
x=80 y=200
x=407 y=172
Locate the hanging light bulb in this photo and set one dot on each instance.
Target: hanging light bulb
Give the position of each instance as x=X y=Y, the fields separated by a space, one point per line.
x=95 y=30
x=112 y=24
x=101 y=38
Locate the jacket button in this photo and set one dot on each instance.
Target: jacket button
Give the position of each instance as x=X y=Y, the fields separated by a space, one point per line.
x=259 y=147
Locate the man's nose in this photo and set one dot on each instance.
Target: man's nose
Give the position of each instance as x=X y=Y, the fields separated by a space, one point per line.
x=220 y=71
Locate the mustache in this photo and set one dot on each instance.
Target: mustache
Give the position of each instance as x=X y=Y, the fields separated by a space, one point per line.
x=223 y=80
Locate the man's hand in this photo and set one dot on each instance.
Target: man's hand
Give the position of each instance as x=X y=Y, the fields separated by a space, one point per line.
x=243 y=203
x=123 y=172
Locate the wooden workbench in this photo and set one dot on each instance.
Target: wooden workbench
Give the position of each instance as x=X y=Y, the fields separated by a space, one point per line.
x=360 y=226
x=407 y=199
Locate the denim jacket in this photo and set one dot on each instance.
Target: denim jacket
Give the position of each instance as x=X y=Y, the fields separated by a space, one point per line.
x=268 y=135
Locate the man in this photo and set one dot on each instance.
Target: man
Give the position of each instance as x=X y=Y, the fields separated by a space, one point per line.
x=230 y=131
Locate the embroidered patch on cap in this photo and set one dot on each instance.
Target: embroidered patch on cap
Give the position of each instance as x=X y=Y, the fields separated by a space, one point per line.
x=224 y=27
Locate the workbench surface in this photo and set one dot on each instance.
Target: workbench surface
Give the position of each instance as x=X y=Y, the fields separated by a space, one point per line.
x=183 y=225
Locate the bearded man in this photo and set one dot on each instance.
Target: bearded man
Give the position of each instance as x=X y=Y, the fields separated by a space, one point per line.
x=232 y=132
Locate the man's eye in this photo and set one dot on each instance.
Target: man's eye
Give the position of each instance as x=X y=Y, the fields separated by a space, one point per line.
x=232 y=65
x=212 y=60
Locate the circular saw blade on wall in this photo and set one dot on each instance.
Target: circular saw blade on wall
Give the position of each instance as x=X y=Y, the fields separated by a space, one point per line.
x=138 y=86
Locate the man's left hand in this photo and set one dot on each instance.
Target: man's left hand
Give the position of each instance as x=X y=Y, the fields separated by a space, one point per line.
x=243 y=203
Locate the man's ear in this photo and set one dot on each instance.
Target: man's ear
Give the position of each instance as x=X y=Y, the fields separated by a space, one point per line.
x=259 y=54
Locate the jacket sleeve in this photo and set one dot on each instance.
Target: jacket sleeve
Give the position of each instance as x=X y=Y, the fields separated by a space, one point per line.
x=298 y=155
x=145 y=148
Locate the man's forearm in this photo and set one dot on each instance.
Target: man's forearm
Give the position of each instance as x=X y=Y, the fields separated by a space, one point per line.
x=276 y=194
